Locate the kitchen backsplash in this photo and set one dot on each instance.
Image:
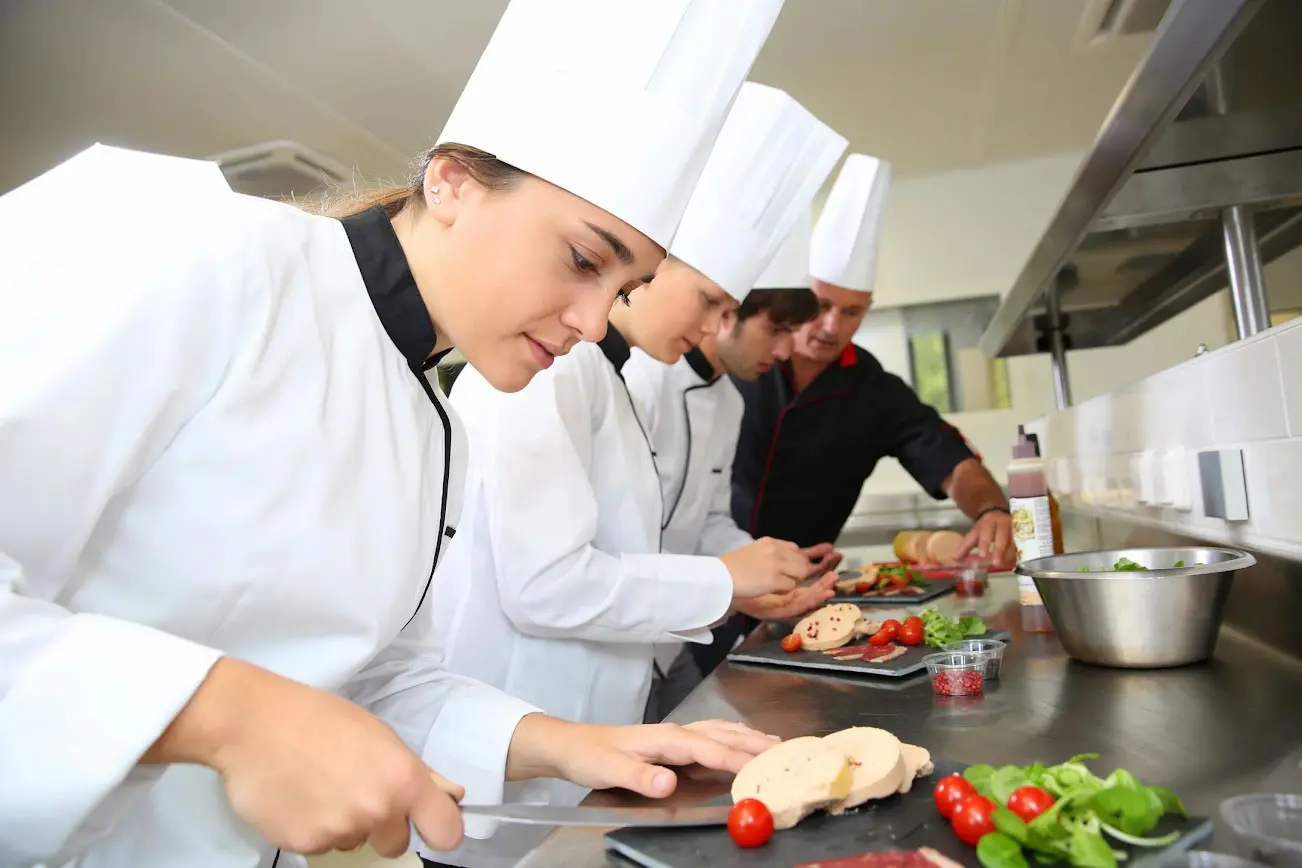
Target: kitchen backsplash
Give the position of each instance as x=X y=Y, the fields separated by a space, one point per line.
x=1134 y=453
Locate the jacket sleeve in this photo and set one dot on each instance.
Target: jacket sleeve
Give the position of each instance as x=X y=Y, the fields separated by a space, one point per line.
x=720 y=534
x=116 y=328
x=927 y=447
x=534 y=451
x=461 y=727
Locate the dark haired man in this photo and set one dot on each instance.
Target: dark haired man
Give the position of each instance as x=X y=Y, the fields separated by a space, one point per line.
x=693 y=414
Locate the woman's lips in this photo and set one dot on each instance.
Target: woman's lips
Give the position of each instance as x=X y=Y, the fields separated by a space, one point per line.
x=541 y=354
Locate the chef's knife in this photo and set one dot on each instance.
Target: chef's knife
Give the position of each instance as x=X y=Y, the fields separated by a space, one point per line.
x=558 y=815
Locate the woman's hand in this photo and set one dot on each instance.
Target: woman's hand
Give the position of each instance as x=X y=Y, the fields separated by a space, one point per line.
x=629 y=757
x=310 y=771
x=766 y=566
x=823 y=559
x=792 y=604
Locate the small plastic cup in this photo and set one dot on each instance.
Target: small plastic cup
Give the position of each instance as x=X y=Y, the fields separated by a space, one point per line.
x=970 y=581
x=991 y=650
x=1266 y=828
x=957 y=673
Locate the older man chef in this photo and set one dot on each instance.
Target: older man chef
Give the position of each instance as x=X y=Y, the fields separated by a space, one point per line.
x=557 y=587
x=214 y=611
x=693 y=416
x=814 y=428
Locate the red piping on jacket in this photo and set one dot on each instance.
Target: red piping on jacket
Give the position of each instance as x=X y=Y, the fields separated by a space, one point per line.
x=773 y=447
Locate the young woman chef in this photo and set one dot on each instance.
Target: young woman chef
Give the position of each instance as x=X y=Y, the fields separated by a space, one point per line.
x=225 y=477
x=557 y=588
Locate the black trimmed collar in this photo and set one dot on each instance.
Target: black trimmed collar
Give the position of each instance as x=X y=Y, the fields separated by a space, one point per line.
x=391 y=286
x=615 y=348
x=701 y=365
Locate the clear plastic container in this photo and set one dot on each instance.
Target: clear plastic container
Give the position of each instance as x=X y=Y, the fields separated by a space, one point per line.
x=1266 y=827
x=957 y=673
x=970 y=581
x=990 y=650
x=1205 y=859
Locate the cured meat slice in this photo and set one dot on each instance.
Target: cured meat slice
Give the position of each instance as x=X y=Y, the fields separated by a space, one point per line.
x=924 y=857
x=876 y=760
x=883 y=653
x=848 y=652
x=829 y=627
x=795 y=778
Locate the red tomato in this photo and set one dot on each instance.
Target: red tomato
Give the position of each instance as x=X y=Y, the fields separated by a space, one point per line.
x=881 y=637
x=750 y=824
x=950 y=791
x=911 y=634
x=1029 y=802
x=973 y=818
x=863 y=587
x=792 y=642
x=914 y=619
x=892 y=626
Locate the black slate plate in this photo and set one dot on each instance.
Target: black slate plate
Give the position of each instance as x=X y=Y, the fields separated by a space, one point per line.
x=771 y=654
x=899 y=823
x=935 y=588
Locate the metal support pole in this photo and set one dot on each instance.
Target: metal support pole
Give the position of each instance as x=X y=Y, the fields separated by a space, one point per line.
x=1243 y=264
x=1239 y=232
x=1058 y=346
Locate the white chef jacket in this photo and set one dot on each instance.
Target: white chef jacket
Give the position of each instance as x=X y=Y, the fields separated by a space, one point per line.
x=216 y=438
x=693 y=416
x=554 y=589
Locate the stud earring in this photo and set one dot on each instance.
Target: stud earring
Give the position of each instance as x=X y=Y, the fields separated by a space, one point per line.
x=434 y=191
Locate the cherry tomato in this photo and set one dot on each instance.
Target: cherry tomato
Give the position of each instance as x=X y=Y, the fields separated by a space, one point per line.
x=881 y=637
x=911 y=634
x=891 y=626
x=1029 y=802
x=914 y=619
x=863 y=587
x=950 y=791
x=973 y=818
x=750 y=824
x=792 y=642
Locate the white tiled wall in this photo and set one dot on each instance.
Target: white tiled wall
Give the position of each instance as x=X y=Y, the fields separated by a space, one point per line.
x=1247 y=396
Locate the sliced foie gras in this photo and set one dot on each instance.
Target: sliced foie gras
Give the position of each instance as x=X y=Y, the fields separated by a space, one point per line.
x=877 y=763
x=829 y=627
x=917 y=764
x=943 y=546
x=795 y=778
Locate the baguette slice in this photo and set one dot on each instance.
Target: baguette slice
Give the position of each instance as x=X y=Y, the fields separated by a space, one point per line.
x=795 y=778
x=877 y=763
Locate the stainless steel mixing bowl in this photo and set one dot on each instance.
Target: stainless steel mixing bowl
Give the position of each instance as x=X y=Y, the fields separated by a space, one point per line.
x=1138 y=620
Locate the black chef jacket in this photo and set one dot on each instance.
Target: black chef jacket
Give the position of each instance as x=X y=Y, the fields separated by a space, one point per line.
x=802 y=459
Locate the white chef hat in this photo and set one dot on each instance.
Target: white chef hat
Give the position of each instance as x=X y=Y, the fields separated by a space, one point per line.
x=790 y=266
x=771 y=157
x=843 y=249
x=617 y=101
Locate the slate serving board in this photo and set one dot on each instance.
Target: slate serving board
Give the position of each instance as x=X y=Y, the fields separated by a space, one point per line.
x=771 y=654
x=935 y=588
x=903 y=822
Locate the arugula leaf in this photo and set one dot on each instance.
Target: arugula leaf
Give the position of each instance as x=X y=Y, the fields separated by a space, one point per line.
x=971 y=625
x=997 y=850
x=1011 y=825
x=1089 y=850
x=1127 y=809
x=1005 y=780
x=1171 y=803
x=979 y=777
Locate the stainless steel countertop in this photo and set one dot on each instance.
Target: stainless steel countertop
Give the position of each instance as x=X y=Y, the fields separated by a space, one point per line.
x=1209 y=731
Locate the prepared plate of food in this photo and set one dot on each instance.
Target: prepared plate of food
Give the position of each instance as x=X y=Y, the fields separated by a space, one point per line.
x=885 y=584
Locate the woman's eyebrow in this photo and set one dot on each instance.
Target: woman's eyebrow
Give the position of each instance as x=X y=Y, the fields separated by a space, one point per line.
x=622 y=253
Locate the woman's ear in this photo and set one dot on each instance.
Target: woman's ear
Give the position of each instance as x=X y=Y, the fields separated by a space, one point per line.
x=727 y=322
x=446 y=184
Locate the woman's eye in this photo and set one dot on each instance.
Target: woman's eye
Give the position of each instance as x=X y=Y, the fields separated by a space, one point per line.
x=581 y=262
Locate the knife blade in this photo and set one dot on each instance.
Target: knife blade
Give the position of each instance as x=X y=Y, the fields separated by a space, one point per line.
x=560 y=815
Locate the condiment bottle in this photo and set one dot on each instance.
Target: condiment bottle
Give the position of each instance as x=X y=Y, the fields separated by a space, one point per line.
x=1035 y=533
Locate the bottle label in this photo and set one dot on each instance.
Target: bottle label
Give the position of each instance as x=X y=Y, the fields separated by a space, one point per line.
x=1033 y=536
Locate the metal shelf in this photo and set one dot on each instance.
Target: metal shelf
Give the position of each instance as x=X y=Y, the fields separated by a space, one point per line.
x=1138 y=236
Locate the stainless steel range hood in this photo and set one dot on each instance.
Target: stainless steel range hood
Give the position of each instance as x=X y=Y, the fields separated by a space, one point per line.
x=1202 y=150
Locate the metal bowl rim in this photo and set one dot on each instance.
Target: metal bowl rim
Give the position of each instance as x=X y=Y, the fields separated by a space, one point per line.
x=1239 y=560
